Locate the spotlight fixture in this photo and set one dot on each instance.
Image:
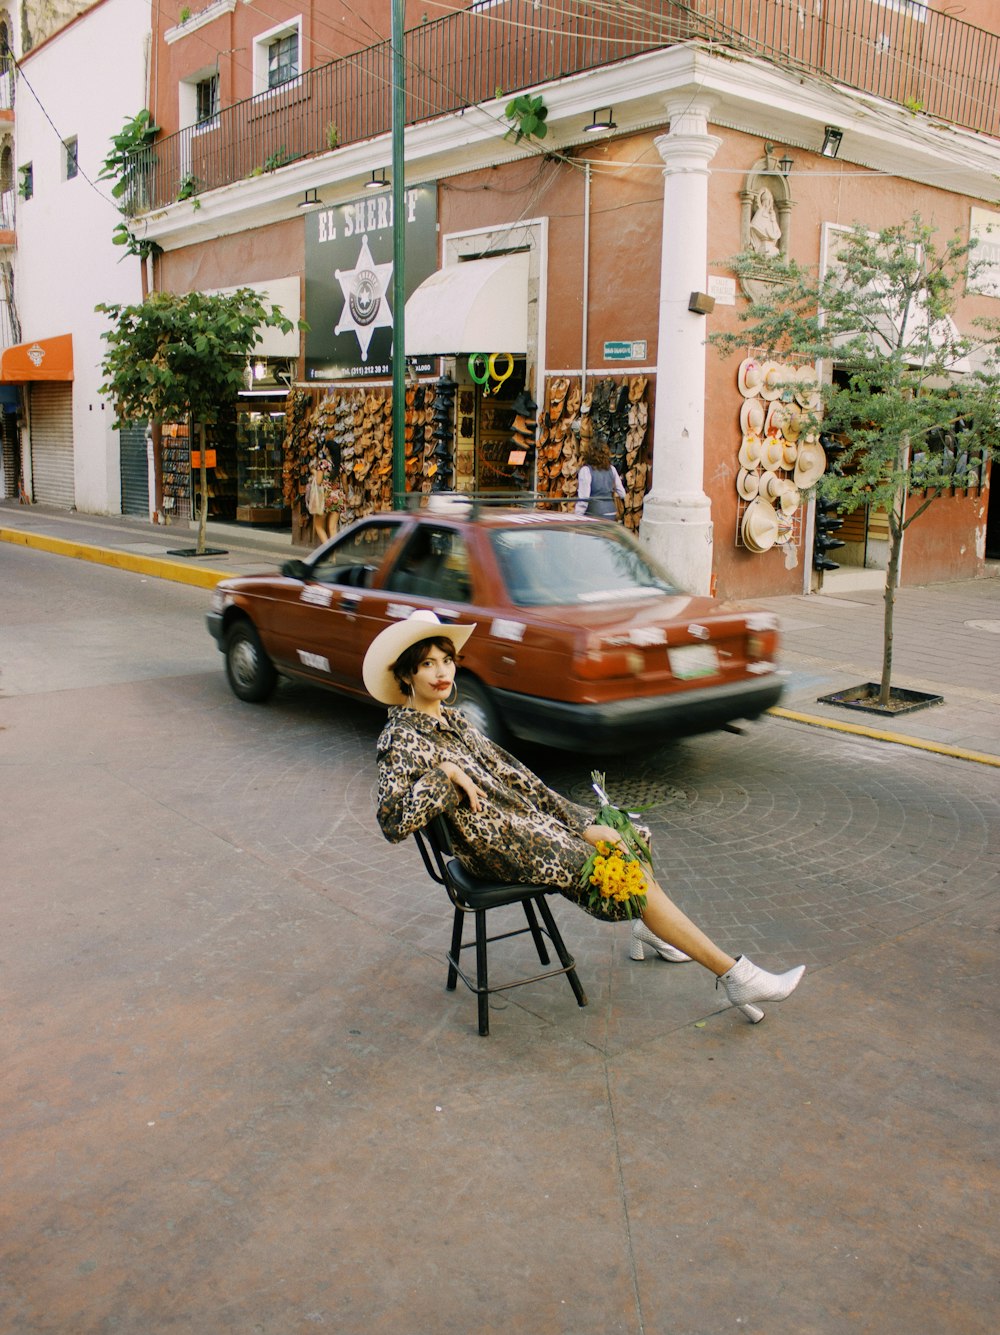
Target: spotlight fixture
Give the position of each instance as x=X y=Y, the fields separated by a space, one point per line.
x=785 y=166
x=377 y=182
x=605 y=122
x=831 y=141
x=310 y=200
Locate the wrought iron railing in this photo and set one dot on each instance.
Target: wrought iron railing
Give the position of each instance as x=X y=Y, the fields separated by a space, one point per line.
x=898 y=50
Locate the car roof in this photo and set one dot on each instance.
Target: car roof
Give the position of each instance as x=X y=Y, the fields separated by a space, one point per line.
x=499 y=517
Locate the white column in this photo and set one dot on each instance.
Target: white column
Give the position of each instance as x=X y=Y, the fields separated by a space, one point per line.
x=677 y=517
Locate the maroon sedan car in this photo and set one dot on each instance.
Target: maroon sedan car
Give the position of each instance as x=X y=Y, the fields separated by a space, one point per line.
x=583 y=643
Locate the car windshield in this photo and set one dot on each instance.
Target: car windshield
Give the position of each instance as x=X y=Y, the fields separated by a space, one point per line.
x=552 y=566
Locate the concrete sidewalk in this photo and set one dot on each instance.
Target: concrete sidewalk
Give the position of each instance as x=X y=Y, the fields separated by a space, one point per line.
x=946 y=636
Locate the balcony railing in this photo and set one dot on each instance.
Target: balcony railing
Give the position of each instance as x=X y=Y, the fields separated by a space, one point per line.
x=894 y=49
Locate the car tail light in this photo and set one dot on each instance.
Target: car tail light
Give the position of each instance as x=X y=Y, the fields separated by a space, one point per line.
x=601 y=662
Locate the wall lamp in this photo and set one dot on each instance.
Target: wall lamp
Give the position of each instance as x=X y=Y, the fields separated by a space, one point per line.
x=605 y=122
x=310 y=200
x=377 y=182
x=785 y=166
x=831 y=141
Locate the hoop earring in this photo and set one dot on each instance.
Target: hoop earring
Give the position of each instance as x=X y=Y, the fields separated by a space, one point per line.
x=452 y=694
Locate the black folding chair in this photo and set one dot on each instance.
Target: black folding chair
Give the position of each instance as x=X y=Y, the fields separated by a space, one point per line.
x=469 y=894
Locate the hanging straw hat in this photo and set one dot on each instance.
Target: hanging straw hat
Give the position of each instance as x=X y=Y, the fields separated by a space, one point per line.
x=752 y=417
x=772 y=382
x=770 y=453
x=384 y=650
x=748 y=483
x=750 y=451
x=760 y=526
x=749 y=376
x=810 y=465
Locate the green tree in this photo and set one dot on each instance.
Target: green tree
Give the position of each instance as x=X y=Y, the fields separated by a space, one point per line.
x=127 y=164
x=916 y=403
x=178 y=357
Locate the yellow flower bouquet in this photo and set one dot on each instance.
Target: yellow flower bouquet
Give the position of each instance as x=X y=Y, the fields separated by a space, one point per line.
x=615 y=871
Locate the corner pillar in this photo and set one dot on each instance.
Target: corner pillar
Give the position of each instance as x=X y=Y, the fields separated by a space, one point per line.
x=677 y=515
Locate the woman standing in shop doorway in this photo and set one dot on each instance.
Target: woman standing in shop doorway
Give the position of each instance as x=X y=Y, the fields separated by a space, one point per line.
x=598 y=483
x=322 y=499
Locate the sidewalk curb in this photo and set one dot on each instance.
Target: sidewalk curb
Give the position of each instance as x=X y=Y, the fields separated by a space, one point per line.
x=206 y=578
x=156 y=566
x=878 y=735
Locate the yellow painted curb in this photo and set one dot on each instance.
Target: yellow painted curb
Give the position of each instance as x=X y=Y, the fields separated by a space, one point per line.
x=880 y=735
x=157 y=566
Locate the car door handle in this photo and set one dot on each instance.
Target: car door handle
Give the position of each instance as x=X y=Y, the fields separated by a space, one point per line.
x=350 y=599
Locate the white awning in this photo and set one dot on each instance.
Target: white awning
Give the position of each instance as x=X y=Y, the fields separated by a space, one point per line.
x=472 y=306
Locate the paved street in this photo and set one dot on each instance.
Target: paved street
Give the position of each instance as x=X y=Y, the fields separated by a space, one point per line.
x=238 y=1098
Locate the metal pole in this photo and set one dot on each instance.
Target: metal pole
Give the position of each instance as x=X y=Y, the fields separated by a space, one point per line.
x=398 y=262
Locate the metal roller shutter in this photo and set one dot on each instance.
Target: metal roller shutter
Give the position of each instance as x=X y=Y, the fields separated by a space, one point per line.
x=134 y=469
x=52 y=445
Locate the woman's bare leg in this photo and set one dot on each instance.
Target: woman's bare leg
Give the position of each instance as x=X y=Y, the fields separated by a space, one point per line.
x=662 y=916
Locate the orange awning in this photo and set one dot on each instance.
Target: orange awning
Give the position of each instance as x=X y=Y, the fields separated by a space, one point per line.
x=41 y=359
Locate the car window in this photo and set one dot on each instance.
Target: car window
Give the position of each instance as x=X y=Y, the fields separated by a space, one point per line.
x=356 y=556
x=552 y=566
x=434 y=564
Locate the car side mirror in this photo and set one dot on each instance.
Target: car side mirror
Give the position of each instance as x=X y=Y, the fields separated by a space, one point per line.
x=295 y=570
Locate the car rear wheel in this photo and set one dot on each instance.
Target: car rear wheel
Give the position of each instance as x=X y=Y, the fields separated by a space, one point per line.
x=251 y=673
x=475 y=704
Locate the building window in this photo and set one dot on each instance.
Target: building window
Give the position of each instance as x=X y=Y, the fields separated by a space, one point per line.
x=206 y=100
x=26 y=188
x=71 y=157
x=277 y=58
x=283 y=60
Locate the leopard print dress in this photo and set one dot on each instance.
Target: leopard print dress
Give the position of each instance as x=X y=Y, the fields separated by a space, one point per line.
x=523 y=833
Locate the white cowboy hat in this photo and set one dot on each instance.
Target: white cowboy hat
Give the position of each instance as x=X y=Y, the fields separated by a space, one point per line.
x=770 y=486
x=770 y=454
x=789 y=453
x=421 y=624
x=748 y=377
x=810 y=465
x=790 y=498
x=772 y=381
x=747 y=483
x=806 y=384
x=760 y=526
x=752 y=417
x=750 y=451
x=793 y=425
x=777 y=416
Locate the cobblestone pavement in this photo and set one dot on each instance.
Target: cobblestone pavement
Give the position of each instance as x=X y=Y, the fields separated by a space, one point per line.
x=238 y=1098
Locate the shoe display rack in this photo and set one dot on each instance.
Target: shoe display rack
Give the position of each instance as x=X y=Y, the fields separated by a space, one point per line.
x=259 y=436
x=176 y=457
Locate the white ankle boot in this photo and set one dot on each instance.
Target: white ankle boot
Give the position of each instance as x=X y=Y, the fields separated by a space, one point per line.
x=745 y=984
x=642 y=936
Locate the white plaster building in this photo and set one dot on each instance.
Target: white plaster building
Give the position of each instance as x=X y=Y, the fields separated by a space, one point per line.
x=64 y=261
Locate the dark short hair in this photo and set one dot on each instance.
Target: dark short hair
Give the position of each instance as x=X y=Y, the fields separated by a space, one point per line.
x=410 y=659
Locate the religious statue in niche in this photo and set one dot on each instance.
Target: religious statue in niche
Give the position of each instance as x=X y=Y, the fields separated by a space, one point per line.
x=765 y=231
x=766 y=205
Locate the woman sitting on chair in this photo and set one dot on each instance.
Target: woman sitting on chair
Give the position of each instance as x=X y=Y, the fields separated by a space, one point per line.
x=506 y=825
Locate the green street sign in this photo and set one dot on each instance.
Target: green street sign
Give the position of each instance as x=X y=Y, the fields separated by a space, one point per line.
x=624 y=351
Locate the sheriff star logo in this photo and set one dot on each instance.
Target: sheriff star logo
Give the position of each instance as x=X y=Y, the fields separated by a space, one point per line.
x=366 y=307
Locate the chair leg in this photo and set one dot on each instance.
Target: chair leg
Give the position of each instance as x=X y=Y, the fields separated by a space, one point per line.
x=456 y=949
x=482 y=973
x=565 y=958
x=536 y=933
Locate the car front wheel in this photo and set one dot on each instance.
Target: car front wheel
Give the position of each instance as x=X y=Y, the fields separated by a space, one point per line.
x=476 y=705
x=250 y=672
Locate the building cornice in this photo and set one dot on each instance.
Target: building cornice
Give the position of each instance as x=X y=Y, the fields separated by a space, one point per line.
x=747 y=95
